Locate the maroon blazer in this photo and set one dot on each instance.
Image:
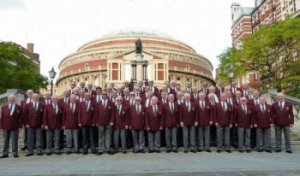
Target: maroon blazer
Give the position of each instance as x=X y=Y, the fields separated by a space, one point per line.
x=11 y=122
x=86 y=114
x=154 y=121
x=33 y=117
x=252 y=103
x=203 y=114
x=243 y=119
x=120 y=118
x=51 y=118
x=263 y=119
x=103 y=115
x=188 y=118
x=218 y=91
x=223 y=118
x=136 y=120
x=171 y=117
x=283 y=116
x=62 y=102
x=70 y=118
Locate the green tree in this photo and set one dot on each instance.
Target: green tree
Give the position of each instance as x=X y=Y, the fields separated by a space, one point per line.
x=273 y=51
x=17 y=71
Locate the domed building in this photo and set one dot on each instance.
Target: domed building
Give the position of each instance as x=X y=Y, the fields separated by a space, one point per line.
x=134 y=56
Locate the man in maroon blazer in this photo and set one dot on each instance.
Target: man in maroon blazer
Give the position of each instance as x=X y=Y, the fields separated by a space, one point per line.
x=73 y=86
x=52 y=122
x=263 y=121
x=171 y=117
x=120 y=122
x=154 y=124
x=90 y=90
x=284 y=120
x=11 y=123
x=223 y=121
x=147 y=101
x=255 y=101
x=28 y=100
x=164 y=97
x=154 y=89
x=194 y=95
x=33 y=117
x=204 y=122
x=82 y=87
x=98 y=97
x=65 y=99
x=86 y=123
x=189 y=122
x=137 y=125
x=103 y=119
x=70 y=124
x=244 y=123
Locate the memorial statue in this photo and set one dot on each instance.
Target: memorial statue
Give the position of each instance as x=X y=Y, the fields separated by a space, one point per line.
x=138 y=46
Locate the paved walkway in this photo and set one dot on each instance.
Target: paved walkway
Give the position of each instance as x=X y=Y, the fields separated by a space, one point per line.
x=156 y=164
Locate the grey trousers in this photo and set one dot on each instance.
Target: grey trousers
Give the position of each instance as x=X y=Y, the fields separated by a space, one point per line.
x=138 y=140
x=286 y=132
x=189 y=137
x=171 y=138
x=204 y=137
x=154 y=140
x=223 y=137
x=117 y=134
x=34 y=136
x=104 y=141
x=72 y=138
x=244 y=135
x=88 y=135
x=25 y=134
x=263 y=136
x=53 y=135
x=14 y=135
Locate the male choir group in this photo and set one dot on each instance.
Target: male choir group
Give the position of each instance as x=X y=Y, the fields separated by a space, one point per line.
x=99 y=120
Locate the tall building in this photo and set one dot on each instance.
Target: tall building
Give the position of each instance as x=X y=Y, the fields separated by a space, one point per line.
x=246 y=20
x=115 y=59
x=30 y=54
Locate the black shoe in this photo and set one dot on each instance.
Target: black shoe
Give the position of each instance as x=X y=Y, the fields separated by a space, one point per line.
x=228 y=151
x=208 y=150
x=269 y=150
x=135 y=151
x=241 y=151
x=248 y=151
x=175 y=151
x=4 y=156
x=23 y=148
x=278 y=150
x=218 y=151
x=68 y=152
x=16 y=156
x=259 y=150
x=289 y=151
x=124 y=152
x=142 y=151
x=99 y=153
x=185 y=151
x=28 y=154
x=199 y=150
x=157 y=151
x=150 y=151
x=49 y=153
x=57 y=153
x=194 y=151
x=169 y=150
x=39 y=153
x=85 y=152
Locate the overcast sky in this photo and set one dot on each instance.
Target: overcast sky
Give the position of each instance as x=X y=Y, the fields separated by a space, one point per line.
x=59 y=27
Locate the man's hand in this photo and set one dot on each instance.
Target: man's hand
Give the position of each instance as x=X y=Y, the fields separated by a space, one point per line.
x=181 y=124
x=196 y=124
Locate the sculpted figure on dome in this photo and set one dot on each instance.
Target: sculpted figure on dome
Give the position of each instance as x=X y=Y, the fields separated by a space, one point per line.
x=138 y=46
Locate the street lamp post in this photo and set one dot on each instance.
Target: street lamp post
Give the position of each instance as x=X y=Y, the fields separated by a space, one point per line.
x=52 y=75
x=230 y=73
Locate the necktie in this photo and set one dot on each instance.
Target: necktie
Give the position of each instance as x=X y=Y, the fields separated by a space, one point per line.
x=263 y=107
x=172 y=108
x=202 y=104
x=56 y=109
x=188 y=106
x=281 y=105
x=73 y=107
x=119 y=109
